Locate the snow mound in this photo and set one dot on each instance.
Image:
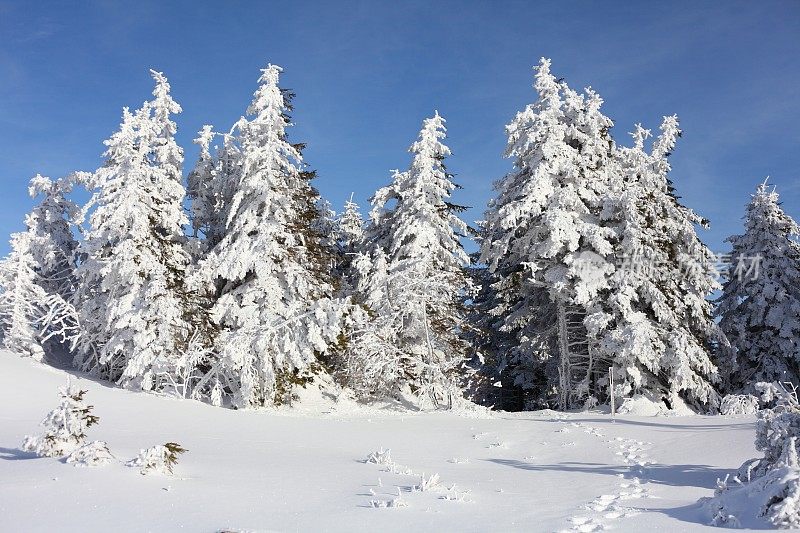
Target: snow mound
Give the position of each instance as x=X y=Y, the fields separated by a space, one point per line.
x=642 y=405
x=95 y=453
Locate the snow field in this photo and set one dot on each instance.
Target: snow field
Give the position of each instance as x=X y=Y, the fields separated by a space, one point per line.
x=286 y=470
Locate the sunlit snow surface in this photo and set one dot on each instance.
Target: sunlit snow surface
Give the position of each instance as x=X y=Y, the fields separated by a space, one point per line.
x=306 y=469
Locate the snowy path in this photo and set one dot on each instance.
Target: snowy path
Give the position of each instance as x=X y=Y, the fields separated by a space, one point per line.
x=263 y=471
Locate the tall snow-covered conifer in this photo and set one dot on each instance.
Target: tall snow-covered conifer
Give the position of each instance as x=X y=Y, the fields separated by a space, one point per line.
x=202 y=187
x=546 y=237
x=131 y=300
x=349 y=230
x=37 y=278
x=426 y=281
x=21 y=300
x=269 y=269
x=50 y=225
x=656 y=325
x=760 y=303
x=350 y=227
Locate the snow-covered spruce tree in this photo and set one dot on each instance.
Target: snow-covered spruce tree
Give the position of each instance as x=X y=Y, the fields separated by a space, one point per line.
x=349 y=229
x=546 y=239
x=21 y=300
x=513 y=334
x=65 y=426
x=211 y=186
x=269 y=271
x=131 y=297
x=325 y=226
x=426 y=279
x=50 y=225
x=760 y=303
x=373 y=363
x=37 y=278
x=201 y=187
x=656 y=325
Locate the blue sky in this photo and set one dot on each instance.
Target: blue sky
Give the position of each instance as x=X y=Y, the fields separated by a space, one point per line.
x=367 y=73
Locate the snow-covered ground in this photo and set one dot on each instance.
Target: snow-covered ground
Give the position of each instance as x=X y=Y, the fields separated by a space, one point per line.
x=305 y=470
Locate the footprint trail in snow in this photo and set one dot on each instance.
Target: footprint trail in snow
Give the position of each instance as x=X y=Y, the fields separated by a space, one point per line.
x=606 y=509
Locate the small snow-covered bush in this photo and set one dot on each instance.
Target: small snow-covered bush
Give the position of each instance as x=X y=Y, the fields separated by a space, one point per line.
x=95 y=453
x=767 y=488
x=739 y=404
x=65 y=426
x=427 y=483
x=394 y=503
x=455 y=495
x=159 y=459
x=380 y=457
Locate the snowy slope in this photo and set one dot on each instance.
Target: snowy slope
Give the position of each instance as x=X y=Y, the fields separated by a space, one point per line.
x=267 y=470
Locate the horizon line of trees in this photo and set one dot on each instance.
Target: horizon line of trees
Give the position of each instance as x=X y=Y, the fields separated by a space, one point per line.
x=240 y=283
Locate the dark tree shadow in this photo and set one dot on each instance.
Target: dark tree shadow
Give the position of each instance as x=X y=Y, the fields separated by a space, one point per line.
x=693 y=513
x=668 y=424
x=15 y=454
x=729 y=425
x=678 y=475
x=682 y=475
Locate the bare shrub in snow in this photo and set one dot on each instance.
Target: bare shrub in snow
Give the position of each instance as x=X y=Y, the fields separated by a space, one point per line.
x=400 y=470
x=159 y=459
x=65 y=426
x=94 y=453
